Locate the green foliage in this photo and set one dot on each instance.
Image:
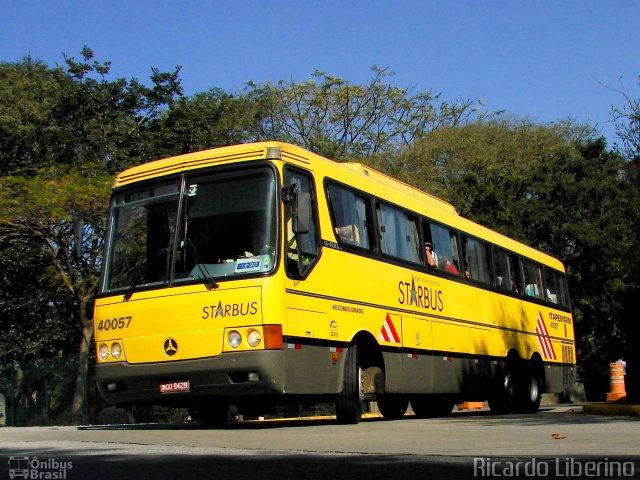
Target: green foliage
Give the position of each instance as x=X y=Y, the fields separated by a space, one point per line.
x=206 y=120
x=62 y=134
x=31 y=126
x=37 y=319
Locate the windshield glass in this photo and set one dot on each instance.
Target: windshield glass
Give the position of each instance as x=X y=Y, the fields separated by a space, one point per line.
x=227 y=228
x=143 y=224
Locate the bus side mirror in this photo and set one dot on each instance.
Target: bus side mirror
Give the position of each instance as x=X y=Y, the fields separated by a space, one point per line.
x=301 y=214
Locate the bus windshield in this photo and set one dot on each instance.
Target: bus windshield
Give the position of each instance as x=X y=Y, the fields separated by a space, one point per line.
x=203 y=229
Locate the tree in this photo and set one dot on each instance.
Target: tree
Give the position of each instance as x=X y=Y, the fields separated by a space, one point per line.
x=60 y=214
x=110 y=119
x=206 y=120
x=67 y=130
x=31 y=96
x=626 y=119
x=340 y=120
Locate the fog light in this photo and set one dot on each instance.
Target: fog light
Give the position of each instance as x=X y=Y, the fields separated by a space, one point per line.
x=112 y=387
x=254 y=377
x=103 y=352
x=234 y=339
x=116 y=350
x=254 y=338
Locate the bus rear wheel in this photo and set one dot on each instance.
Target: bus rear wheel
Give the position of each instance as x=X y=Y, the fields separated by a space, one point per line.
x=504 y=397
x=392 y=407
x=529 y=393
x=349 y=402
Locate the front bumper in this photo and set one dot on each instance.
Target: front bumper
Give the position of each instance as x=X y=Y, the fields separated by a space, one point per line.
x=227 y=375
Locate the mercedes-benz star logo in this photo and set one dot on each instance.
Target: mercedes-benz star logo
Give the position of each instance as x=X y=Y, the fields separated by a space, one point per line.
x=170 y=347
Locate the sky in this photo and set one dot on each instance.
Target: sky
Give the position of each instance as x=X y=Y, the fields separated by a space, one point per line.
x=548 y=60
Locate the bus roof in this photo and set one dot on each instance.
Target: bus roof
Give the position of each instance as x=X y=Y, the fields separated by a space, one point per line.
x=357 y=175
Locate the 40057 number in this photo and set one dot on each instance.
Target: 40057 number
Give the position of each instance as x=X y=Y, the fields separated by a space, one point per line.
x=114 y=324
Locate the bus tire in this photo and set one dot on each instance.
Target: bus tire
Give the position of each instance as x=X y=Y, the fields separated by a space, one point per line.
x=428 y=406
x=529 y=393
x=504 y=397
x=214 y=416
x=349 y=402
x=392 y=407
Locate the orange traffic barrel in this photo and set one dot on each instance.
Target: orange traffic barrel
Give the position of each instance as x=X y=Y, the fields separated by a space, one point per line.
x=471 y=406
x=616 y=382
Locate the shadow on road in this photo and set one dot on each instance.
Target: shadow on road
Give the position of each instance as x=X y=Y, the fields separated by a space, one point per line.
x=108 y=465
x=482 y=417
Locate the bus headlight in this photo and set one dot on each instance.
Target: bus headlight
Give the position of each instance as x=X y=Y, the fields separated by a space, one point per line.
x=116 y=350
x=234 y=339
x=103 y=352
x=254 y=338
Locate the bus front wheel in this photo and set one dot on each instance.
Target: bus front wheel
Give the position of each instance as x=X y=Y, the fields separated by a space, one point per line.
x=349 y=402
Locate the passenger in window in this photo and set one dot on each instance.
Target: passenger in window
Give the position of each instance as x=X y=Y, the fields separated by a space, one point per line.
x=348 y=234
x=431 y=256
x=450 y=267
x=514 y=285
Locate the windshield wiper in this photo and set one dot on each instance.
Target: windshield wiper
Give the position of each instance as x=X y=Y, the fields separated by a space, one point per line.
x=209 y=280
x=137 y=281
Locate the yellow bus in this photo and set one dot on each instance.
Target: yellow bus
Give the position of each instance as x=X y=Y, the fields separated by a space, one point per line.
x=262 y=274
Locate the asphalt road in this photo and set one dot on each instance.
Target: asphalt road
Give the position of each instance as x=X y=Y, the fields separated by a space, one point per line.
x=556 y=442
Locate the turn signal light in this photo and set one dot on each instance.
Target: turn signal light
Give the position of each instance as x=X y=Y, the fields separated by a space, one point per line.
x=273 y=337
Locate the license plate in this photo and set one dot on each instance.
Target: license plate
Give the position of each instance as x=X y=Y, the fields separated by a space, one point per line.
x=171 y=387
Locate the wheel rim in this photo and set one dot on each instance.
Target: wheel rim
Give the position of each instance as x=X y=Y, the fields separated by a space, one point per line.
x=508 y=385
x=534 y=390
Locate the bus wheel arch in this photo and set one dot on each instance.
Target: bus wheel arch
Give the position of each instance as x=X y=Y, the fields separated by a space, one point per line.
x=362 y=377
x=371 y=363
x=392 y=406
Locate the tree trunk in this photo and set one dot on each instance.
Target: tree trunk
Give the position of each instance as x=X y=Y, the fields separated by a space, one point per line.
x=79 y=410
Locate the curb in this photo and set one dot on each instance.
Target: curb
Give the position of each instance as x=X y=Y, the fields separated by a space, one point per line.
x=611 y=409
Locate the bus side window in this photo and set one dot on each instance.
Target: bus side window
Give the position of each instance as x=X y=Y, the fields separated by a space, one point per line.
x=444 y=243
x=351 y=217
x=430 y=255
x=532 y=279
x=506 y=274
x=301 y=248
x=399 y=236
x=477 y=259
x=563 y=290
x=550 y=285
